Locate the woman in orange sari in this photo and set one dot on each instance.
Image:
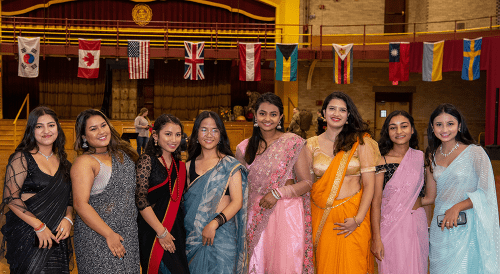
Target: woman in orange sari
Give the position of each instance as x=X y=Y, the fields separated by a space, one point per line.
x=343 y=159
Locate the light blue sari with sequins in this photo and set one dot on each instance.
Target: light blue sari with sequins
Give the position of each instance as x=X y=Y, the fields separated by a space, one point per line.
x=229 y=251
x=474 y=247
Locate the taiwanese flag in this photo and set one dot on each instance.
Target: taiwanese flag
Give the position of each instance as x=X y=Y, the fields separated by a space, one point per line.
x=342 y=63
x=399 y=61
x=249 y=62
x=88 y=58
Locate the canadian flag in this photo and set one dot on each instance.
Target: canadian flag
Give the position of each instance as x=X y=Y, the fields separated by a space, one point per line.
x=249 y=62
x=88 y=58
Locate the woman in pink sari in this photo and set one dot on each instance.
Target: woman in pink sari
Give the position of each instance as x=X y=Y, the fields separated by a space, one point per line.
x=279 y=212
x=399 y=223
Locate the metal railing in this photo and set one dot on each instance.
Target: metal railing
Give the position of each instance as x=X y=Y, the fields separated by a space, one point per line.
x=27 y=102
x=166 y=34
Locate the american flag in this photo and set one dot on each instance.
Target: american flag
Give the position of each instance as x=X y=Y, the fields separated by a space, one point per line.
x=194 y=60
x=138 y=59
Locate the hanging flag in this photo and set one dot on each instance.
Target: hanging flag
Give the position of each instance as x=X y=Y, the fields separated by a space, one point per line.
x=138 y=59
x=432 y=62
x=286 y=62
x=342 y=63
x=472 y=56
x=194 y=62
x=88 y=58
x=249 y=62
x=399 y=61
x=29 y=49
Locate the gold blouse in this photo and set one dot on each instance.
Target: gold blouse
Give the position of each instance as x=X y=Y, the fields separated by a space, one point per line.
x=364 y=159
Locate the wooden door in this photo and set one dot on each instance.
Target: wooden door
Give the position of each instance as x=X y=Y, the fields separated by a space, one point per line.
x=383 y=109
x=395 y=11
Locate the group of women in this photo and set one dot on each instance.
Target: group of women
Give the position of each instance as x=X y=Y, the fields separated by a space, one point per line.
x=282 y=204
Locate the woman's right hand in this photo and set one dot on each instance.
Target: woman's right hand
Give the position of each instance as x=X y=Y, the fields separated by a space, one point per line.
x=45 y=237
x=168 y=243
x=378 y=249
x=114 y=242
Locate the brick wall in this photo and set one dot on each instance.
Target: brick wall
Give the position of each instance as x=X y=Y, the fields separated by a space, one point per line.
x=468 y=96
x=372 y=12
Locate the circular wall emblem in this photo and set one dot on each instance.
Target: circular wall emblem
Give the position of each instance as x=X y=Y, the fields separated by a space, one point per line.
x=142 y=14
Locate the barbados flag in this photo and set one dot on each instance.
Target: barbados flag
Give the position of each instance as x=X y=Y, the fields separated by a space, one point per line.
x=286 y=62
x=472 y=56
x=342 y=63
x=432 y=63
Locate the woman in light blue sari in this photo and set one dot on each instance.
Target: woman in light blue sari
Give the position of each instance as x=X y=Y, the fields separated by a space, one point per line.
x=461 y=173
x=215 y=201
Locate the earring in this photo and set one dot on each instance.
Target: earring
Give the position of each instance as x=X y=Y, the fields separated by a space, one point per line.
x=279 y=125
x=255 y=124
x=84 y=145
x=346 y=122
x=156 y=142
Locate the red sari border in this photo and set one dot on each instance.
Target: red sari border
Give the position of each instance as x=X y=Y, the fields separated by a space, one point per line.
x=168 y=219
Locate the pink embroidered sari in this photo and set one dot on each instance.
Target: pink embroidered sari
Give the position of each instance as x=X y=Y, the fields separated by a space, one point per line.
x=279 y=239
x=404 y=231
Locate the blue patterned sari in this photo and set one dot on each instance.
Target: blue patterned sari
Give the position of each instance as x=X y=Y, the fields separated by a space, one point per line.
x=229 y=251
x=474 y=247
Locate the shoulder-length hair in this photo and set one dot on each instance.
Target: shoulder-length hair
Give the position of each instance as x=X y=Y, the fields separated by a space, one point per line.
x=116 y=145
x=385 y=143
x=354 y=129
x=28 y=143
x=463 y=134
x=194 y=147
x=141 y=112
x=254 y=141
x=161 y=121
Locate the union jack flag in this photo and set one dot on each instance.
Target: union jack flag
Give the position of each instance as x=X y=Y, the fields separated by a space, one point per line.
x=194 y=60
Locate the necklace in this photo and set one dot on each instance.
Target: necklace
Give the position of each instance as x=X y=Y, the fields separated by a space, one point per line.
x=169 y=178
x=447 y=154
x=46 y=157
x=104 y=152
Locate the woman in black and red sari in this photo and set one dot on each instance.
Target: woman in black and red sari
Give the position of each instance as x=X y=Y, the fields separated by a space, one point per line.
x=161 y=178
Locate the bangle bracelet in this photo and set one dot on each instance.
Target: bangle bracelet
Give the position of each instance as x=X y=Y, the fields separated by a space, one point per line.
x=69 y=220
x=273 y=191
x=355 y=220
x=39 y=227
x=42 y=229
x=163 y=235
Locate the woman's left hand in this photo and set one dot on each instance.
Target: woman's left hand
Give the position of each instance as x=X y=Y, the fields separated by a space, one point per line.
x=208 y=233
x=63 y=230
x=268 y=201
x=348 y=226
x=450 y=218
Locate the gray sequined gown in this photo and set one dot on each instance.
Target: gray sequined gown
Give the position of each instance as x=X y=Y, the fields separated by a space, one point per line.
x=116 y=206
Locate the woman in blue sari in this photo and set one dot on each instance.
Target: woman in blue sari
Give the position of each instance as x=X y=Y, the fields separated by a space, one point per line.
x=215 y=201
x=462 y=174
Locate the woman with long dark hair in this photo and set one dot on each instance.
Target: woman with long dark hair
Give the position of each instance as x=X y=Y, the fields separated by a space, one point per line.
x=399 y=223
x=279 y=216
x=37 y=191
x=142 y=125
x=215 y=201
x=161 y=177
x=103 y=177
x=344 y=160
x=465 y=233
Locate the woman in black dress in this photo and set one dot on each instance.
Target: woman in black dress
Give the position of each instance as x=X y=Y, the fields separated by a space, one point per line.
x=161 y=178
x=37 y=191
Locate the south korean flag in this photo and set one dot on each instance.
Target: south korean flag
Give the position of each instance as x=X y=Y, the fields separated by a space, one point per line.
x=29 y=49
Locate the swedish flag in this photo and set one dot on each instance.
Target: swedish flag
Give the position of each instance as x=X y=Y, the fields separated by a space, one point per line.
x=472 y=57
x=286 y=62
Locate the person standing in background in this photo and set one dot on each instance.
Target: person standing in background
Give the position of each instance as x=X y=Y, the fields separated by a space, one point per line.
x=142 y=125
x=321 y=123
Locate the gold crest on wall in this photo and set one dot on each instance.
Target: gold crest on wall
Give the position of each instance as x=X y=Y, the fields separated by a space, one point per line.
x=142 y=14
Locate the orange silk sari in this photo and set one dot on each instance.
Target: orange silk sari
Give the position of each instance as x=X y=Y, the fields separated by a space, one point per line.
x=335 y=253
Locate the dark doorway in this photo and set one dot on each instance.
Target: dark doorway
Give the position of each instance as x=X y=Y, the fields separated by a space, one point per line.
x=395 y=12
